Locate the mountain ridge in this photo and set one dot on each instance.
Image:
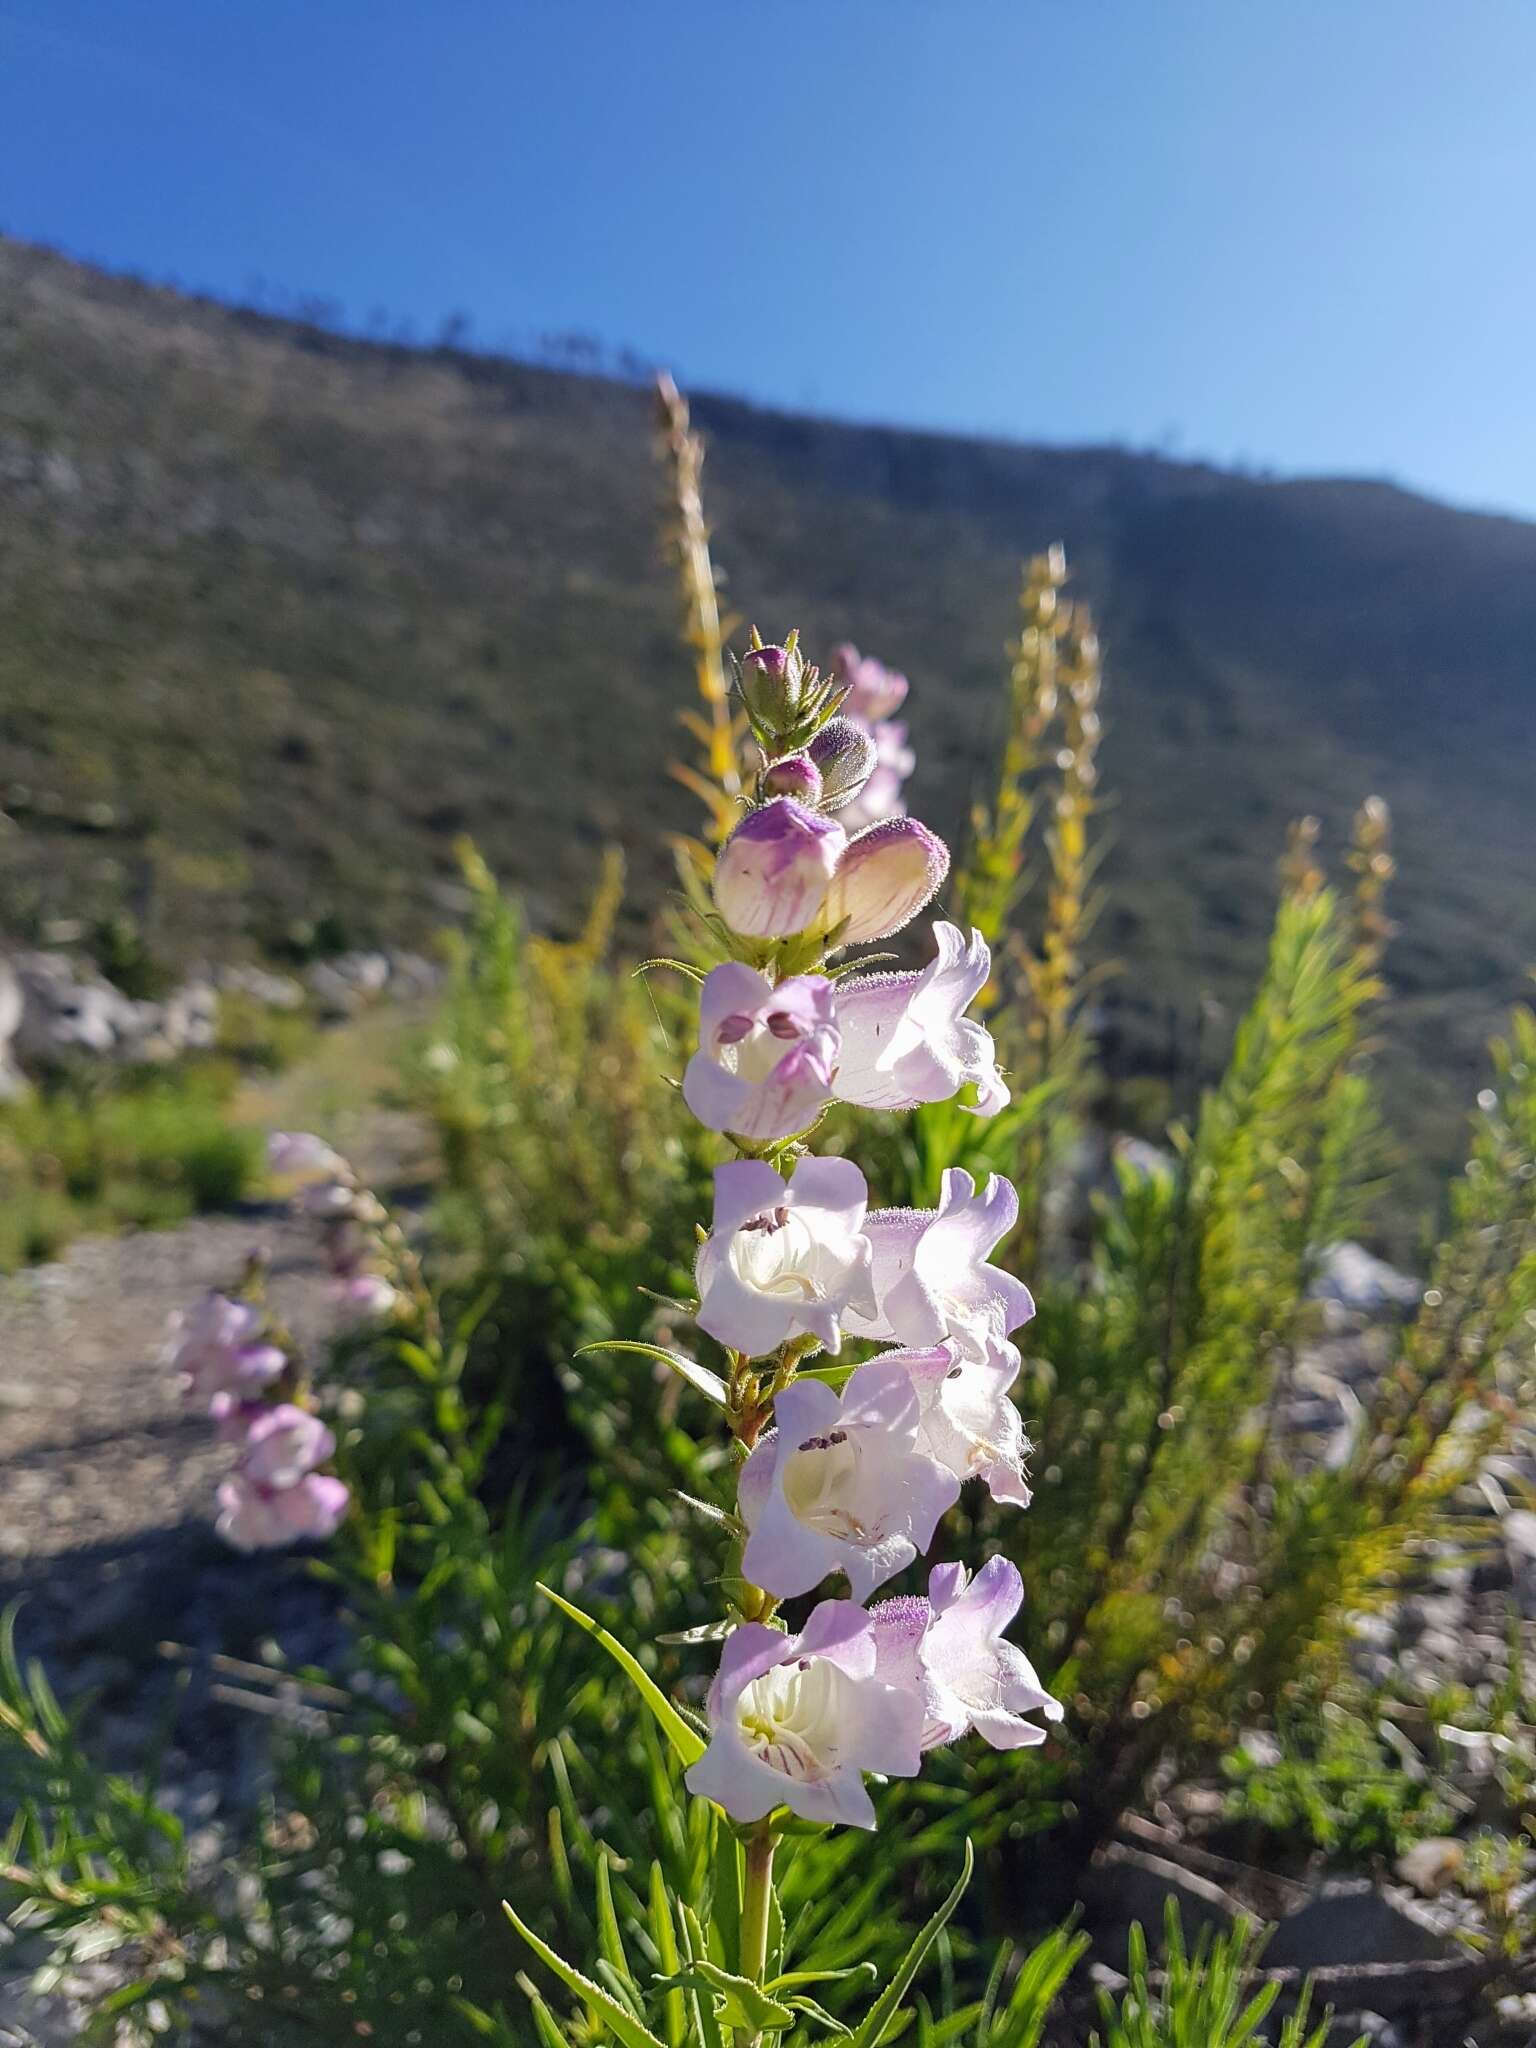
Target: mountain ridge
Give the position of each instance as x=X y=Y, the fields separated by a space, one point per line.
x=282 y=611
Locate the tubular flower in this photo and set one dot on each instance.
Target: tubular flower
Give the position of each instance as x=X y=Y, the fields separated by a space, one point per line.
x=365 y=1297
x=784 y=1259
x=275 y=1495
x=773 y=873
x=881 y=795
x=845 y=753
x=949 y=1650
x=797 y=1720
x=841 y=1485
x=796 y=775
x=216 y=1347
x=874 y=691
x=931 y=1279
x=291 y=1153
x=966 y=1419
x=764 y=1064
x=906 y=1039
x=885 y=876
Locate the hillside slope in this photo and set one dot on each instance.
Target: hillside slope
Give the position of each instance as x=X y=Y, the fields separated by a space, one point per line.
x=280 y=614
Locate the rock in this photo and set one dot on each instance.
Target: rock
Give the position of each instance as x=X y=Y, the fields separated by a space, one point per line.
x=1352 y=1920
x=1517 y=1531
x=1127 y=1885
x=1429 y=1866
x=272 y=991
x=1360 y=1282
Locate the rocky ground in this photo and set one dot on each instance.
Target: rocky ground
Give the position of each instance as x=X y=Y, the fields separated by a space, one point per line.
x=106 y=1534
x=107 y=1486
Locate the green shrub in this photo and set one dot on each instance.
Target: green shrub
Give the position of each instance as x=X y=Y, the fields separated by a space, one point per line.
x=1337 y=1788
x=92 y=1152
x=1203 y=1997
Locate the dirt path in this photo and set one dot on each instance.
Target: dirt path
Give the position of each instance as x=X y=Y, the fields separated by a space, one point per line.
x=107 y=1484
x=107 y=1480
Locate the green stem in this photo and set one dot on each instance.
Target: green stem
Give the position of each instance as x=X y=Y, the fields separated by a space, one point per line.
x=755 y=1903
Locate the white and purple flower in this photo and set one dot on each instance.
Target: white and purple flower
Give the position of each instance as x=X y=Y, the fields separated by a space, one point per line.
x=841 y=1484
x=967 y=1420
x=766 y=1054
x=949 y=1650
x=932 y=1283
x=785 y=1258
x=274 y=1495
x=797 y=1720
x=292 y=1154
x=218 y=1348
x=906 y=1038
x=365 y=1297
x=772 y=875
x=884 y=877
x=874 y=693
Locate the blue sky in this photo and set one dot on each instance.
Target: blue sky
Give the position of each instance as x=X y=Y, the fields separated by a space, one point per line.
x=1278 y=231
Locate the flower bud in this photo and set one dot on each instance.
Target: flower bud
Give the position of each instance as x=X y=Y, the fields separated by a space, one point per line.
x=772 y=874
x=886 y=875
x=844 y=751
x=797 y=775
x=772 y=685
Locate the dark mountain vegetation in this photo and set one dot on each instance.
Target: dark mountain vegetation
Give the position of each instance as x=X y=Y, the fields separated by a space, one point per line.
x=282 y=614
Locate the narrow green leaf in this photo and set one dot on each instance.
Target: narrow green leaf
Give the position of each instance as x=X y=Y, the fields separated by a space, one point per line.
x=610 y=1941
x=706 y=2026
x=742 y=2003
x=630 y=2031
x=699 y=1377
x=543 y=2019
x=726 y=1893
x=677 y=966
x=664 y=1934
x=821 y=2016
x=689 y=1745
x=482 y=2022
x=791 y=1980
x=882 y=2012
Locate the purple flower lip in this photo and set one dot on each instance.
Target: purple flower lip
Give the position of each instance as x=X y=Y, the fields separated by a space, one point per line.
x=796 y=775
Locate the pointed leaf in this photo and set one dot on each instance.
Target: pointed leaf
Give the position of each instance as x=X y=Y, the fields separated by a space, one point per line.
x=820 y=2014
x=742 y=2003
x=623 y=2025
x=878 y=2018
x=688 y=1744
x=792 y=1979
x=664 y=1934
x=543 y=2019
x=699 y=1377
x=609 y=1940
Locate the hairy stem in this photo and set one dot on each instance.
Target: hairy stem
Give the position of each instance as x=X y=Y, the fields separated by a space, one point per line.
x=755 y=1902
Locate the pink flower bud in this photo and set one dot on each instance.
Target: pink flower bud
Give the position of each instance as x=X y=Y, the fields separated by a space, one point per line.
x=844 y=751
x=773 y=872
x=797 y=776
x=772 y=684
x=885 y=877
